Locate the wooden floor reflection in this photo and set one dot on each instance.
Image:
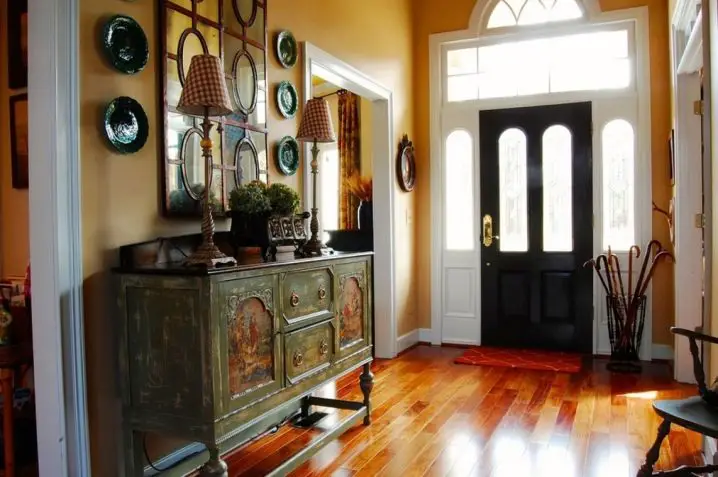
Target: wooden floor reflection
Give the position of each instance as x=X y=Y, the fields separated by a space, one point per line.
x=435 y=418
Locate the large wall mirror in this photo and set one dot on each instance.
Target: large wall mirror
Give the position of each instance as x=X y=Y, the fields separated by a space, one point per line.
x=236 y=31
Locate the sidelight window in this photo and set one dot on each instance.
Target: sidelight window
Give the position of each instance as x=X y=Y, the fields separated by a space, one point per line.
x=513 y=192
x=618 y=151
x=557 y=162
x=459 y=191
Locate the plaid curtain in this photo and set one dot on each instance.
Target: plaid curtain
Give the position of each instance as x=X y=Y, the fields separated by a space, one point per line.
x=349 y=157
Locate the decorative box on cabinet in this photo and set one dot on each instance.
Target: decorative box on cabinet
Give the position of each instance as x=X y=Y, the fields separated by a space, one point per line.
x=220 y=356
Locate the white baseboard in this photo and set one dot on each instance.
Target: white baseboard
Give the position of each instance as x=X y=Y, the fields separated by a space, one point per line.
x=425 y=335
x=406 y=341
x=662 y=351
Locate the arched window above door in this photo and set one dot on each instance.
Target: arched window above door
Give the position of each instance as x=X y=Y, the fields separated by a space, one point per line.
x=509 y=13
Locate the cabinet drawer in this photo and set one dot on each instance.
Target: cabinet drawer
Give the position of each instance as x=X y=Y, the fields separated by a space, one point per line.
x=308 y=351
x=307 y=297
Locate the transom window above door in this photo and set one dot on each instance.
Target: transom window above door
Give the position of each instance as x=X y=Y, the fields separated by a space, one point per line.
x=509 y=13
x=598 y=60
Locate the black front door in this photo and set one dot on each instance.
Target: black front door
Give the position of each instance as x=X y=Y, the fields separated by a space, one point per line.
x=536 y=222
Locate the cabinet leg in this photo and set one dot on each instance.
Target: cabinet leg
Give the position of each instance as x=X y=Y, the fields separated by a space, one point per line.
x=215 y=466
x=646 y=469
x=366 y=383
x=306 y=408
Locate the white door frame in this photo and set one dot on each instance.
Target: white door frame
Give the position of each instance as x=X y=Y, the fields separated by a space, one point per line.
x=687 y=58
x=320 y=63
x=440 y=111
x=56 y=239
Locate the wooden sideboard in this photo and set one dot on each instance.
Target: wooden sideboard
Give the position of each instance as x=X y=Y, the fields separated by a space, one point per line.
x=220 y=356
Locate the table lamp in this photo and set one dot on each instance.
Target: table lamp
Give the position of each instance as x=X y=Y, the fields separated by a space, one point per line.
x=205 y=95
x=315 y=127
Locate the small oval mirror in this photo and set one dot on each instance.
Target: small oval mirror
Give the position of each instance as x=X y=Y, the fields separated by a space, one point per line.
x=244 y=75
x=247 y=162
x=191 y=43
x=245 y=11
x=193 y=163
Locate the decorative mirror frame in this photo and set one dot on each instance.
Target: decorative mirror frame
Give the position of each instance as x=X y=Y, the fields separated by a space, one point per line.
x=228 y=25
x=406 y=155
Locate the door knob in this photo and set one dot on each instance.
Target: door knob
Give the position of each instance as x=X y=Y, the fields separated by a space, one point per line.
x=488 y=236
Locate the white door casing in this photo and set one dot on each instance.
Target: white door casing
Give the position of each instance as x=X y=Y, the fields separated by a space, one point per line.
x=320 y=63
x=456 y=315
x=687 y=59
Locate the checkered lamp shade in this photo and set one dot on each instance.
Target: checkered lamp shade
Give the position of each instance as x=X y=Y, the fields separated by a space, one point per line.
x=205 y=90
x=316 y=122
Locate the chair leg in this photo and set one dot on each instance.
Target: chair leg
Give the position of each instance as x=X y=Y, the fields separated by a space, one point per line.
x=646 y=469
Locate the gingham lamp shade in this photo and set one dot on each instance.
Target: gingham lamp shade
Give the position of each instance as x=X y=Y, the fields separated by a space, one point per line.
x=316 y=124
x=205 y=90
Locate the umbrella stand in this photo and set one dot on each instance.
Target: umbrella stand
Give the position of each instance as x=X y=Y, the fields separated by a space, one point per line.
x=625 y=332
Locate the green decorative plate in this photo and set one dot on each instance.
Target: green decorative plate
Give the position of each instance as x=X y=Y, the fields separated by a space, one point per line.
x=288 y=155
x=287 y=51
x=125 y=44
x=126 y=125
x=287 y=99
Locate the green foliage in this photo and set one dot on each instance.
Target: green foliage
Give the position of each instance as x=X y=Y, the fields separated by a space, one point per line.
x=250 y=199
x=283 y=199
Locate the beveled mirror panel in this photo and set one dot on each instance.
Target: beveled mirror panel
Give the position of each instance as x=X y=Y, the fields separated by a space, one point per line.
x=234 y=30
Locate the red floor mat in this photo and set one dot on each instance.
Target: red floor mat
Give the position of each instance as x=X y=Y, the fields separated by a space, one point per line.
x=522 y=358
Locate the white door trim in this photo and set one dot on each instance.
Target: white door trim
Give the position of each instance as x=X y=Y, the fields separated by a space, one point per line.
x=320 y=63
x=440 y=109
x=56 y=239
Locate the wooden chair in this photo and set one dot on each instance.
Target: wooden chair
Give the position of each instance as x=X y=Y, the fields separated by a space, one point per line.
x=698 y=414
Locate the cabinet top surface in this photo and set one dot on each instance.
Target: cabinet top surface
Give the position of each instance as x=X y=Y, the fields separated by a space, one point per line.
x=178 y=268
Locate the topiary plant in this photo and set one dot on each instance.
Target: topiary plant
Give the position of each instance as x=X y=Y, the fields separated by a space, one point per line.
x=250 y=199
x=283 y=199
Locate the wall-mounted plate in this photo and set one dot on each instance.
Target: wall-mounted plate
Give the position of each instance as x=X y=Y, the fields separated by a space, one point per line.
x=126 y=125
x=288 y=155
x=287 y=99
x=125 y=44
x=287 y=51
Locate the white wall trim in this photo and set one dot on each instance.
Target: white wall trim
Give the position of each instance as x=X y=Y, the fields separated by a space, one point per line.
x=662 y=351
x=442 y=112
x=425 y=335
x=407 y=340
x=320 y=63
x=55 y=238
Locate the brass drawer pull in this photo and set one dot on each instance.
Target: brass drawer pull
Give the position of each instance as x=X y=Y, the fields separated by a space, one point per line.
x=322 y=292
x=298 y=358
x=323 y=347
x=294 y=299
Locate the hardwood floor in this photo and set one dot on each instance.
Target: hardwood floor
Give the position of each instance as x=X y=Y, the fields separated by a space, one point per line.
x=435 y=418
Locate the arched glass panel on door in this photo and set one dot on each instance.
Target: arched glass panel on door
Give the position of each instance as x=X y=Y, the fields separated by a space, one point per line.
x=556 y=164
x=618 y=150
x=459 y=188
x=513 y=193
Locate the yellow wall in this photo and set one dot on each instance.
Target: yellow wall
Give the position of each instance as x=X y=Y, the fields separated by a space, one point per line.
x=434 y=17
x=14 y=212
x=121 y=194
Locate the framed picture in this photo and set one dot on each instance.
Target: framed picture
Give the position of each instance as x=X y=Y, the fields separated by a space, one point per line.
x=672 y=157
x=18 y=141
x=17 y=44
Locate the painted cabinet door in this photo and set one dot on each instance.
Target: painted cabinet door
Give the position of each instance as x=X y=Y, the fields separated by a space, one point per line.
x=250 y=341
x=353 y=307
